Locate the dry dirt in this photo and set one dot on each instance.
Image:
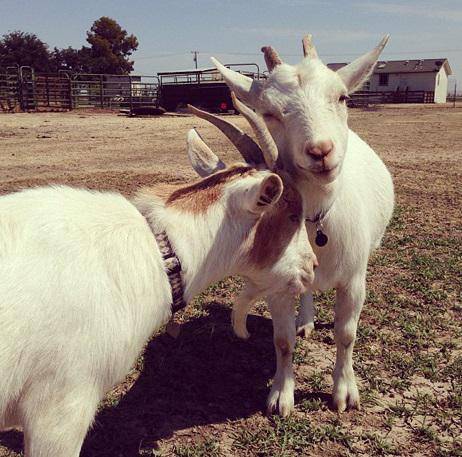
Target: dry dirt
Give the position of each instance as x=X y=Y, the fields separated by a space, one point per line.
x=203 y=394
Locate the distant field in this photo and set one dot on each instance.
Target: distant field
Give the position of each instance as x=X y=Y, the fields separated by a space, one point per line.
x=204 y=393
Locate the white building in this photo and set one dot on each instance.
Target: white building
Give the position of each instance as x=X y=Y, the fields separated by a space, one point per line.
x=429 y=75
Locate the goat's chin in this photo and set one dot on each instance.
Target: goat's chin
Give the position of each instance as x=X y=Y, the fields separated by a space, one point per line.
x=321 y=174
x=326 y=176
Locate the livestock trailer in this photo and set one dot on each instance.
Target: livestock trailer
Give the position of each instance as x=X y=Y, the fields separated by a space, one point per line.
x=203 y=88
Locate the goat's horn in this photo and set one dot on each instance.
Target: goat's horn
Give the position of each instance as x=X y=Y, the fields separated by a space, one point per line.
x=272 y=58
x=248 y=148
x=308 y=47
x=268 y=146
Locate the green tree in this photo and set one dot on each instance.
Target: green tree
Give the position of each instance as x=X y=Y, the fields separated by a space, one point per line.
x=21 y=48
x=73 y=60
x=111 y=47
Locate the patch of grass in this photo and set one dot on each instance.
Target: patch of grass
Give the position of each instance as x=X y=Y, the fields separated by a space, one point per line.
x=378 y=445
x=316 y=381
x=300 y=355
x=290 y=437
x=208 y=448
x=312 y=404
x=426 y=433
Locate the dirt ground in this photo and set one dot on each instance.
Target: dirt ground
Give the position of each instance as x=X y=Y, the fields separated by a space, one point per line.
x=204 y=393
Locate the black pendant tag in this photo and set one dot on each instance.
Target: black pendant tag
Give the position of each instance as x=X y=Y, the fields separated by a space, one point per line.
x=321 y=238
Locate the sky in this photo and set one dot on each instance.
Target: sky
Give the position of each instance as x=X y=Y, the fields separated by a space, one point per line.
x=235 y=30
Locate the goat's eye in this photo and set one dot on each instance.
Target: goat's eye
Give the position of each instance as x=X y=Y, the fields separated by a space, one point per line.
x=343 y=98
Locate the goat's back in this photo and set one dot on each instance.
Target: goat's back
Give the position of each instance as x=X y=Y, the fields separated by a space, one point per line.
x=82 y=287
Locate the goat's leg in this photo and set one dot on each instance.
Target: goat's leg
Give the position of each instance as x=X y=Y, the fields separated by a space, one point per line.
x=305 y=318
x=56 y=425
x=282 y=392
x=241 y=308
x=349 y=302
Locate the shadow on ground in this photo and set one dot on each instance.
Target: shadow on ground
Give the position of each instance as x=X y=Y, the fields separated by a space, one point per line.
x=205 y=376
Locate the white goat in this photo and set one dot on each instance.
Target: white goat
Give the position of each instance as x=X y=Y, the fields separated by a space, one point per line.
x=347 y=193
x=83 y=285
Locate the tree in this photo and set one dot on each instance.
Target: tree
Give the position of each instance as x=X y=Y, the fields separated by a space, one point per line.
x=73 y=60
x=109 y=51
x=110 y=48
x=21 y=48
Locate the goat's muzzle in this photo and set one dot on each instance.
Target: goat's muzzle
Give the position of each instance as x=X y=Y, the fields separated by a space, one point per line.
x=320 y=150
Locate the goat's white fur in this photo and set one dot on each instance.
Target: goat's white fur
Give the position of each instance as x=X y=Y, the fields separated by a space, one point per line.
x=83 y=287
x=303 y=106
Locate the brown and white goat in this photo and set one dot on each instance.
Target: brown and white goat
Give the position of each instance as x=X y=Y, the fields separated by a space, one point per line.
x=83 y=285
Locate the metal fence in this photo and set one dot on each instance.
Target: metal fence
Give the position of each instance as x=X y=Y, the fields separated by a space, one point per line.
x=373 y=98
x=22 y=88
x=9 y=92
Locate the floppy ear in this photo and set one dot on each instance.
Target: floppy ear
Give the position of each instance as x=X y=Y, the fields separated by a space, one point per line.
x=202 y=159
x=267 y=194
x=247 y=89
x=356 y=73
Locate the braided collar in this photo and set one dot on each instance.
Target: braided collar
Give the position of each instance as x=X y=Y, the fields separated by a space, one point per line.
x=172 y=266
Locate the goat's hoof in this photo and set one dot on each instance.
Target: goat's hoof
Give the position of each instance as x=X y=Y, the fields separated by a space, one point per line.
x=281 y=402
x=345 y=396
x=305 y=330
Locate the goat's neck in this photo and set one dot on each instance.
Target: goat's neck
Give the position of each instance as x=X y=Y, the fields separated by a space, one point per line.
x=207 y=244
x=319 y=197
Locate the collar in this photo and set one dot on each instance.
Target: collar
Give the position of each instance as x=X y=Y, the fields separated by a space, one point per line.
x=172 y=266
x=321 y=238
x=316 y=218
x=319 y=217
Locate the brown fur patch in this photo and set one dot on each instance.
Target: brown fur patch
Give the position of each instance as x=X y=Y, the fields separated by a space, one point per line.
x=283 y=346
x=198 y=197
x=275 y=229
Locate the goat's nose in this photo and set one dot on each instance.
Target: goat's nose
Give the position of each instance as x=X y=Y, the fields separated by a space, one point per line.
x=319 y=150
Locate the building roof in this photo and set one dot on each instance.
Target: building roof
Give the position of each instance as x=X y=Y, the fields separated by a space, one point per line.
x=405 y=66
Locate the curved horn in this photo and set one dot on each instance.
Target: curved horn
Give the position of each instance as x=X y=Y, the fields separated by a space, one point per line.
x=308 y=47
x=244 y=143
x=268 y=146
x=272 y=58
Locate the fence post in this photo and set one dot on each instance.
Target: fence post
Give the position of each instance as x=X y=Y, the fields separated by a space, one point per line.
x=71 y=99
x=131 y=98
x=47 y=85
x=101 y=91
x=20 y=90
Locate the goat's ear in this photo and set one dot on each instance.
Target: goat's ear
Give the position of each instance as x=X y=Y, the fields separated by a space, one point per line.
x=246 y=89
x=356 y=73
x=268 y=193
x=202 y=159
